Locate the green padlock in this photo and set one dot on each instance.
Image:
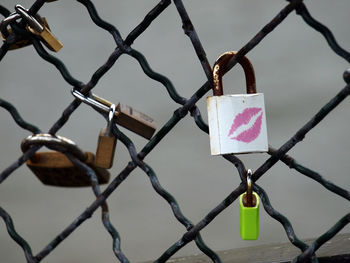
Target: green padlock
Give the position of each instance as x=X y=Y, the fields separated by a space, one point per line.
x=249 y=212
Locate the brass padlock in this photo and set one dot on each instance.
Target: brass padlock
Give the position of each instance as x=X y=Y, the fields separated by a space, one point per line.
x=50 y=41
x=135 y=121
x=54 y=168
x=131 y=119
x=106 y=143
x=126 y=116
x=39 y=27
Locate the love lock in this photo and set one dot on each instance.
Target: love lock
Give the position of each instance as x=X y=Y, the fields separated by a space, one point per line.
x=5 y=32
x=125 y=116
x=36 y=25
x=249 y=212
x=39 y=27
x=237 y=123
x=106 y=143
x=54 y=168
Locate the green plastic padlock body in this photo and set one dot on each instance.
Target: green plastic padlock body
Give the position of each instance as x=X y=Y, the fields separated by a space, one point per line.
x=249 y=219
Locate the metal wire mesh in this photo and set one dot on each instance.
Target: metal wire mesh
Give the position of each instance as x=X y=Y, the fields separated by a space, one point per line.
x=187 y=105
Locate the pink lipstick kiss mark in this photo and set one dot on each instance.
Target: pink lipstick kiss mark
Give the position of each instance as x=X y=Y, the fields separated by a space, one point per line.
x=242 y=118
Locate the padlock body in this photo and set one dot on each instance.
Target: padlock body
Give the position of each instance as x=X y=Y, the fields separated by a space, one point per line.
x=237 y=124
x=249 y=219
x=49 y=40
x=54 y=168
x=105 y=149
x=135 y=121
x=19 y=44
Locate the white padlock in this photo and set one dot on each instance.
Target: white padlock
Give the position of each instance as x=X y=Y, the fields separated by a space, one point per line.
x=237 y=123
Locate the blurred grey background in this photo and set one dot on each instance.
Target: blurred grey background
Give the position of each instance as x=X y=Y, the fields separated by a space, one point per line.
x=295 y=69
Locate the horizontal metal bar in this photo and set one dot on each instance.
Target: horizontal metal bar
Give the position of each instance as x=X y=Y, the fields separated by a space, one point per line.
x=335 y=251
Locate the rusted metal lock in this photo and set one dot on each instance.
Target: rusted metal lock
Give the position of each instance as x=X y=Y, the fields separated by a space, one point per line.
x=54 y=168
x=237 y=123
x=106 y=143
x=39 y=26
x=249 y=212
x=131 y=119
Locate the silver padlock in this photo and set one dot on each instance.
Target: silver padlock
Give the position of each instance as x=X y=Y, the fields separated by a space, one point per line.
x=237 y=123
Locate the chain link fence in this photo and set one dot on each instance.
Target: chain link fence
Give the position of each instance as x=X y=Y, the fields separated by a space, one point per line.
x=186 y=106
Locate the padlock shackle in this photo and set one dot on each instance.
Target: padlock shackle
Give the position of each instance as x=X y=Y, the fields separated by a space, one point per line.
x=220 y=69
x=6 y=21
x=111 y=116
x=21 y=12
x=249 y=188
x=96 y=102
x=31 y=20
x=60 y=143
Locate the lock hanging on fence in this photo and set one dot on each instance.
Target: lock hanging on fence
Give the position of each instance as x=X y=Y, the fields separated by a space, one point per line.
x=249 y=212
x=237 y=123
x=106 y=143
x=126 y=116
x=54 y=168
x=39 y=27
x=36 y=25
x=5 y=32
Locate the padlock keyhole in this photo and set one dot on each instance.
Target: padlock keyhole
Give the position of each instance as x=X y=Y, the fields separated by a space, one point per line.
x=245 y=201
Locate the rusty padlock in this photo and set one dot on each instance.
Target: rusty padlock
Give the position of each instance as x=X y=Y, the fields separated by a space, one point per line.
x=237 y=123
x=54 y=168
x=126 y=116
x=106 y=143
x=39 y=27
